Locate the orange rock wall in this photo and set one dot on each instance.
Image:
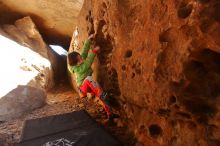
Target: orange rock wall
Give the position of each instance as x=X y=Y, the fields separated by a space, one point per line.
x=160 y=63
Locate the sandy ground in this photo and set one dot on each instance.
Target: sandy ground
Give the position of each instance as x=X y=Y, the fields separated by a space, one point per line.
x=60 y=100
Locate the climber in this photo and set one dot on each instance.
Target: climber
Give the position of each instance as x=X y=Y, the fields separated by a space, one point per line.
x=80 y=65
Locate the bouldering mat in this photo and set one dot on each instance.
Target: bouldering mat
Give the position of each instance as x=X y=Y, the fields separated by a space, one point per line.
x=70 y=129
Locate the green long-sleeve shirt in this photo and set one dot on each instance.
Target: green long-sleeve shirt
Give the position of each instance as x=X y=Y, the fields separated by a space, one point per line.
x=83 y=70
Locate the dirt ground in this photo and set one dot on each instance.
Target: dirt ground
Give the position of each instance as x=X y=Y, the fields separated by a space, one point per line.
x=62 y=99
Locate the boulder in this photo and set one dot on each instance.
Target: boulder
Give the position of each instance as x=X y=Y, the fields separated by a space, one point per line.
x=160 y=61
x=20 y=100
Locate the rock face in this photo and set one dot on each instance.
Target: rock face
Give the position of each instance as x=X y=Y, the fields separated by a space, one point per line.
x=160 y=61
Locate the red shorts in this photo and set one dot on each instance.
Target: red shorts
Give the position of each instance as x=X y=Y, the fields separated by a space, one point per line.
x=91 y=86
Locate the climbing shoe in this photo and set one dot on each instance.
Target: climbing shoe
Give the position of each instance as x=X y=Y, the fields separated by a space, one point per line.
x=104 y=96
x=113 y=116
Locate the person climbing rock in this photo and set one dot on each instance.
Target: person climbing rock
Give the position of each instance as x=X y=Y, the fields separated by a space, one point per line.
x=80 y=66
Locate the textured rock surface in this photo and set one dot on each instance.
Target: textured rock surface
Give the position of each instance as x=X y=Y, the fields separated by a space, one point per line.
x=160 y=61
x=54 y=19
x=20 y=100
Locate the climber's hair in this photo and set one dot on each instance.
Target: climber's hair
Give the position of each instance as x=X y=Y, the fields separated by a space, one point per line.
x=73 y=58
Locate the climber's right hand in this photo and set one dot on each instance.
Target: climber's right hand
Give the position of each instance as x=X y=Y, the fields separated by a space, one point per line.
x=96 y=49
